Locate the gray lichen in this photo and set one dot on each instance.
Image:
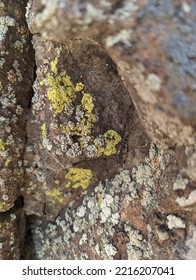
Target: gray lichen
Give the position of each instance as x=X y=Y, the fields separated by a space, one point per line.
x=95 y=218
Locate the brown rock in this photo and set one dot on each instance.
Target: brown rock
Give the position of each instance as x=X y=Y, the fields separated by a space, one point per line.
x=79 y=123
x=160 y=64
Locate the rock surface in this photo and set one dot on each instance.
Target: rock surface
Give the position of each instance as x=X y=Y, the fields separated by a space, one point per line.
x=101 y=157
x=16 y=78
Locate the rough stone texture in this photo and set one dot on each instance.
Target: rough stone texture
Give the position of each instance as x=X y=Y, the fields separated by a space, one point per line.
x=130 y=216
x=57 y=20
x=153 y=45
x=16 y=76
x=79 y=123
x=106 y=178
x=160 y=62
x=12 y=233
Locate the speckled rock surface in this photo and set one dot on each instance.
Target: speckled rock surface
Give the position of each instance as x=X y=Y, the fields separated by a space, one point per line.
x=78 y=124
x=134 y=215
x=152 y=43
x=12 y=233
x=97 y=175
x=57 y=20
x=160 y=62
x=16 y=77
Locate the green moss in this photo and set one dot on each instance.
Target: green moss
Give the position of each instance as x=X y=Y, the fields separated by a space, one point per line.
x=78 y=177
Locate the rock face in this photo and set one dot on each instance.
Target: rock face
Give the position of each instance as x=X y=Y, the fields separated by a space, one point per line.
x=98 y=162
x=78 y=124
x=161 y=65
x=16 y=77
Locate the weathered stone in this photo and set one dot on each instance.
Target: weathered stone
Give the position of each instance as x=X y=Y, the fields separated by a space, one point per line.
x=58 y=20
x=109 y=191
x=160 y=63
x=155 y=54
x=126 y=217
x=15 y=96
x=79 y=123
x=12 y=233
x=16 y=76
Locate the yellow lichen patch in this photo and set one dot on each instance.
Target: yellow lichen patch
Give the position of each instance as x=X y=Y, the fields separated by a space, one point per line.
x=2 y=145
x=2 y=204
x=43 y=129
x=56 y=182
x=63 y=94
x=62 y=91
x=53 y=64
x=79 y=86
x=7 y=162
x=5 y=206
x=99 y=201
x=41 y=83
x=87 y=103
x=112 y=138
x=89 y=119
x=78 y=177
x=55 y=195
x=84 y=126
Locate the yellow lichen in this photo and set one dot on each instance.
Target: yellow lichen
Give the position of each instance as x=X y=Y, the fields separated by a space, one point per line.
x=56 y=182
x=7 y=162
x=78 y=177
x=112 y=138
x=85 y=125
x=62 y=92
x=2 y=145
x=55 y=195
x=5 y=206
x=99 y=201
x=79 y=86
x=53 y=64
x=43 y=129
x=87 y=103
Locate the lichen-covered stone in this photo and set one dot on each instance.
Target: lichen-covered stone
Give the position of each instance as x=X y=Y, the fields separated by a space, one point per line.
x=126 y=217
x=15 y=95
x=94 y=182
x=16 y=77
x=80 y=115
x=57 y=20
x=12 y=233
x=160 y=64
x=154 y=53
